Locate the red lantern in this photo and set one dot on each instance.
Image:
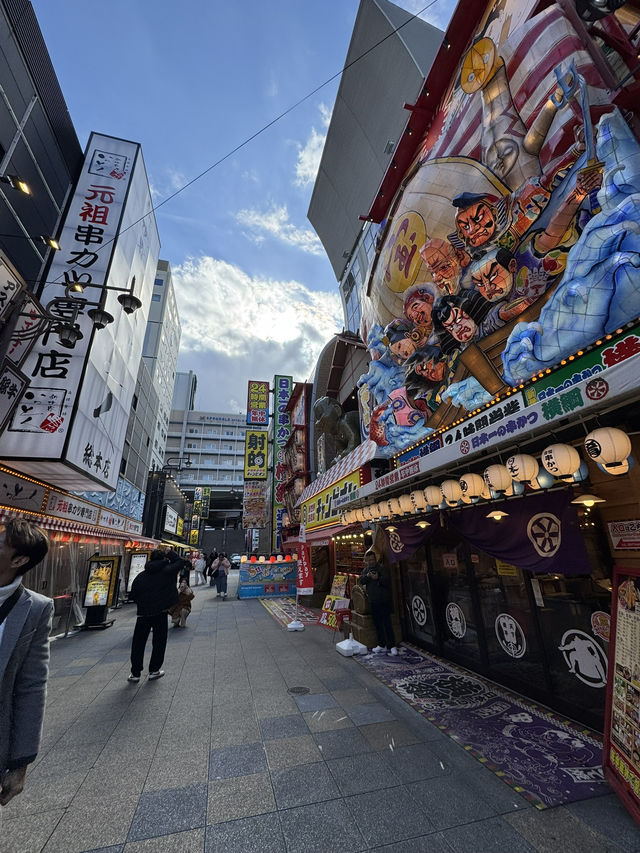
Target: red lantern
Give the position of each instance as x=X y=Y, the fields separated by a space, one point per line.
x=287 y=558
x=272 y=559
x=254 y=559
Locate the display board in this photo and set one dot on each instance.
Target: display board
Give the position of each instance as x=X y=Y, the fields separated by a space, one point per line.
x=334 y=610
x=101 y=581
x=137 y=564
x=266 y=579
x=621 y=753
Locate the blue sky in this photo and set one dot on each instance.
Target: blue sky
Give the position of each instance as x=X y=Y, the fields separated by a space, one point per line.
x=191 y=81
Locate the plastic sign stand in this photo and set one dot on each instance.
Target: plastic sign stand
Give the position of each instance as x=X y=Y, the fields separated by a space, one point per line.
x=295 y=625
x=351 y=647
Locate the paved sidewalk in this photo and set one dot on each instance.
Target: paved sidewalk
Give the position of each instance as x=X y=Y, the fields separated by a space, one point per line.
x=223 y=755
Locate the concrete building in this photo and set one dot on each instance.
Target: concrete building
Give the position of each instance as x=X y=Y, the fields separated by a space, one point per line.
x=184 y=391
x=160 y=354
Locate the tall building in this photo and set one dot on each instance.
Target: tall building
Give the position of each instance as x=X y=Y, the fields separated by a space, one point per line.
x=184 y=391
x=160 y=353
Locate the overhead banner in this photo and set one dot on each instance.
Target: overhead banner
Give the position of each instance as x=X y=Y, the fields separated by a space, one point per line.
x=324 y=507
x=283 y=386
x=255 y=455
x=254 y=505
x=257 y=403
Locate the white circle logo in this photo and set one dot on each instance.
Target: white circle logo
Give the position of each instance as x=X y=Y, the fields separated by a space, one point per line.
x=418 y=610
x=585 y=658
x=395 y=541
x=455 y=620
x=545 y=533
x=510 y=635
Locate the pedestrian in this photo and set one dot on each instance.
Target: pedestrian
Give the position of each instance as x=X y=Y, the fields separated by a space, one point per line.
x=199 y=567
x=182 y=609
x=25 y=623
x=154 y=591
x=220 y=567
x=377 y=581
x=184 y=566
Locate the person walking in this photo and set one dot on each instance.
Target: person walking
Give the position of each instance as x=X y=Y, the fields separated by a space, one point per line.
x=154 y=591
x=220 y=569
x=25 y=623
x=199 y=567
x=182 y=609
x=377 y=581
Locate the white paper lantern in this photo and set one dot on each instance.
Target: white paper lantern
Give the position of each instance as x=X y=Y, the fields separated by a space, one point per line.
x=406 y=504
x=561 y=460
x=609 y=447
x=394 y=506
x=497 y=477
x=383 y=509
x=522 y=467
x=368 y=511
x=433 y=495
x=451 y=491
x=472 y=486
x=419 y=500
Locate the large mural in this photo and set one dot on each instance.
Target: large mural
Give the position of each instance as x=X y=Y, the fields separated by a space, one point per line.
x=515 y=240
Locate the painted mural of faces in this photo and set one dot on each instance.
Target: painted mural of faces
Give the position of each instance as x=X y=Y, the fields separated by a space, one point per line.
x=476 y=224
x=402 y=349
x=418 y=308
x=493 y=275
x=459 y=325
x=444 y=264
x=430 y=368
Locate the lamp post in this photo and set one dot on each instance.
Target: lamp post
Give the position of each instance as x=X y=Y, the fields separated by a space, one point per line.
x=182 y=463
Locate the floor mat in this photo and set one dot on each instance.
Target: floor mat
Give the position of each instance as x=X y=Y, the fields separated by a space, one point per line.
x=547 y=759
x=283 y=611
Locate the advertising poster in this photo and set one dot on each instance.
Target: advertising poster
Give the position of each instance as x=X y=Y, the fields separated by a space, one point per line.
x=283 y=385
x=339 y=585
x=101 y=582
x=254 y=505
x=333 y=611
x=621 y=752
x=625 y=535
x=137 y=564
x=264 y=579
x=257 y=403
x=255 y=455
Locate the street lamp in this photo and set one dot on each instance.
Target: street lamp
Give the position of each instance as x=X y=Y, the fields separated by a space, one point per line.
x=182 y=463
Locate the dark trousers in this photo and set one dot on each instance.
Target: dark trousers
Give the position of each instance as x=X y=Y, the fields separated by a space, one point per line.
x=221 y=582
x=381 y=615
x=158 y=624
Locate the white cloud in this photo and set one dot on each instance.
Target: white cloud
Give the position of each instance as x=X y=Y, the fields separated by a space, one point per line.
x=236 y=328
x=437 y=13
x=310 y=154
x=274 y=222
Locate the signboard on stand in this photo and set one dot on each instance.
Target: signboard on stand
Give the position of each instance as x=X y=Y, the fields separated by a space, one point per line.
x=100 y=590
x=137 y=564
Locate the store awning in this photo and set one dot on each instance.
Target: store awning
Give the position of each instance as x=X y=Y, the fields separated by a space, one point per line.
x=175 y=544
x=314 y=536
x=352 y=461
x=50 y=522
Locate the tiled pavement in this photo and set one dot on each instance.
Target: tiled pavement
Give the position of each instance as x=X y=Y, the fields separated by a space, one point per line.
x=219 y=755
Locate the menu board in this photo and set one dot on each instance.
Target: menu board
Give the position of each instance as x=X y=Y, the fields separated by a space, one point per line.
x=137 y=564
x=621 y=754
x=101 y=582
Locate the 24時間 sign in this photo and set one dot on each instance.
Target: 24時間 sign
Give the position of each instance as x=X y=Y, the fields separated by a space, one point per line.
x=257 y=403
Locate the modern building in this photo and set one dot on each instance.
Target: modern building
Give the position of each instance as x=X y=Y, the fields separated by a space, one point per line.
x=184 y=391
x=160 y=353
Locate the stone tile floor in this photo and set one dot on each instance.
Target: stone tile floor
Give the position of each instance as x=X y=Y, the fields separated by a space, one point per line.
x=220 y=756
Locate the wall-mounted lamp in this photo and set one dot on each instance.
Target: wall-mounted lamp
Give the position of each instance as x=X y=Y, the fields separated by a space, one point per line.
x=391 y=528
x=423 y=524
x=16 y=183
x=588 y=500
x=497 y=515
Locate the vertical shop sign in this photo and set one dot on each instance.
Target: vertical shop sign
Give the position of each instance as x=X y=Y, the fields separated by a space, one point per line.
x=281 y=431
x=305 y=575
x=255 y=455
x=257 y=403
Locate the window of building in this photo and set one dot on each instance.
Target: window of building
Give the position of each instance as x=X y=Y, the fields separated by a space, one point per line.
x=134 y=402
x=156 y=297
x=159 y=282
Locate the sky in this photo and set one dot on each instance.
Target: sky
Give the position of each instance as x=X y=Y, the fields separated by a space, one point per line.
x=192 y=81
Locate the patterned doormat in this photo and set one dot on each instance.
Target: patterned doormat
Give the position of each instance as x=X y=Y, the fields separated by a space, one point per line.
x=283 y=611
x=547 y=759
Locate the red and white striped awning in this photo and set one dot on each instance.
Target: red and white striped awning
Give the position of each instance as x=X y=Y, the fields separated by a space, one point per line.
x=352 y=461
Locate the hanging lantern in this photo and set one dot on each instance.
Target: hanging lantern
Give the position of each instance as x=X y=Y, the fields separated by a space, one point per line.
x=406 y=504
x=487 y=494
x=419 y=500
x=517 y=488
x=497 y=477
x=433 y=495
x=582 y=473
x=523 y=468
x=622 y=468
x=451 y=491
x=609 y=447
x=374 y=512
x=561 y=460
x=394 y=507
x=472 y=486
x=358 y=515
x=367 y=511
x=545 y=480
x=383 y=509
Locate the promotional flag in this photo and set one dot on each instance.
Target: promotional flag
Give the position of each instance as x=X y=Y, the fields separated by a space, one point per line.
x=304 y=583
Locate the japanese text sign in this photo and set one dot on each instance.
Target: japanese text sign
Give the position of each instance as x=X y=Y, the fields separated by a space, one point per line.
x=255 y=455
x=257 y=403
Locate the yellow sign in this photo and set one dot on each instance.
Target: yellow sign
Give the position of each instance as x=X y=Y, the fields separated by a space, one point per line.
x=506 y=569
x=180 y=526
x=255 y=455
x=193 y=537
x=401 y=256
x=325 y=507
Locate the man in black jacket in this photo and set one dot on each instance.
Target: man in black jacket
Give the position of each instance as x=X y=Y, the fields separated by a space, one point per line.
x=377 y=581
x=154 y=591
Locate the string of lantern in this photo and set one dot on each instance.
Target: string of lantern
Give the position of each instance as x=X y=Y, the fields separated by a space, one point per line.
x=608 y=447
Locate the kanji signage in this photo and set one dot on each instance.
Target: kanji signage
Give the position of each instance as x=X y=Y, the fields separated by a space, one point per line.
x=257 y=403
x=283 y=385
x=255 y=455
x=65 y=506
x=254 y=505
x=324 y=507
x=625 y=535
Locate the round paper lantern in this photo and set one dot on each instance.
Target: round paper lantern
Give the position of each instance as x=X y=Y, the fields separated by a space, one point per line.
x=272 y=559
x=472 y=486
x=394 y=506
x=545 y=480
x=582 y=473
x=609 y=447
x=497 y=477
x=433 y=495
x=383 y=509
x=406 y=504
x=561 y=460
x=487 y=494
x=279 y=558
x=358 y=515
x=287 y=558
x=419 y=500
x=451 y=491
x=517 y=488
x=367 y=511
x=522 y=467
x=254 y=559
x=622 y=468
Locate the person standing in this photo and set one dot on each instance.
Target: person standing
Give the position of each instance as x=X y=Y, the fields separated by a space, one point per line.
x=220 y=569
x=154 y=591
x=182 y=609
x=377 y=581
x=199 y=567
x=25 y=623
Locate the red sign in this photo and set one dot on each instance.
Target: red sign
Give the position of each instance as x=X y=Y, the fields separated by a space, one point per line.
x=304 y=582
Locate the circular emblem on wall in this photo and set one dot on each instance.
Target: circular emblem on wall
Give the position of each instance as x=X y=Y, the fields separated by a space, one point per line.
x=601 y=624
x=455 y=620
x=395 y=541
x=510 y=635
x=465 y=447
x=545 y=533
x=401 y=256
x=597 y=389
x=585 y=658
x=419 y=611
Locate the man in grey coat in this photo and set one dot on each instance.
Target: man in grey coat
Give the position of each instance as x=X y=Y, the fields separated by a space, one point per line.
x=25 y=622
